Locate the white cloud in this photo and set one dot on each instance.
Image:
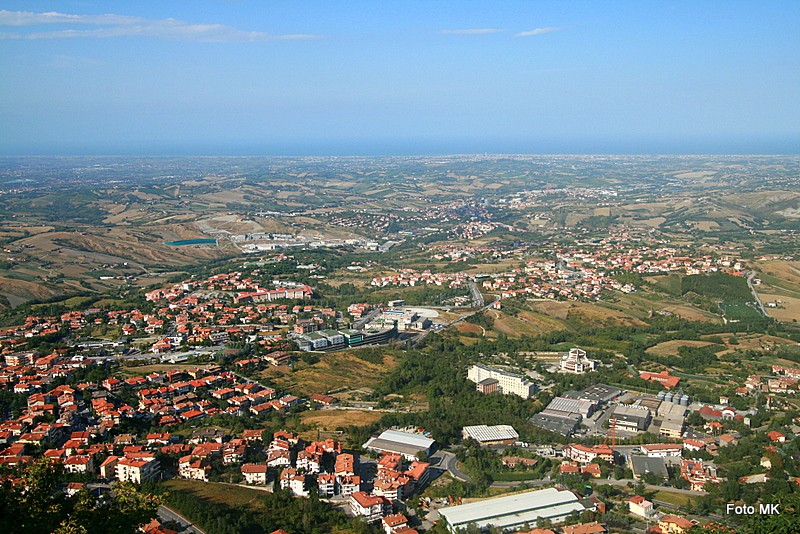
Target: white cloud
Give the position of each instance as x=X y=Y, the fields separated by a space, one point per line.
x=471 y=31
x=539 y=31
x=125 y=26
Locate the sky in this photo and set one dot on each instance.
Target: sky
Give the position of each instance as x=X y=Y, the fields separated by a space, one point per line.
x=295 y=77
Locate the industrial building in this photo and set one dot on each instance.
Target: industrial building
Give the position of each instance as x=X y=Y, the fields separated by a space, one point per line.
x=507 y=383
x=632 y=418
x=407 y=444
x=514 y=511
x=564 y=406
x=334 y=339
x=602 y=393
x=491 y=435
x=645 y=464
x=565 y=425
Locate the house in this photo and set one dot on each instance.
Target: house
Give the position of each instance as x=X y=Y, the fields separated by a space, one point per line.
x=371 y=508
x=584 y=528
x=664 y=378
x=326 y=484
x=137 y=470
x=108 y=469
x=776 y=437
x=393 y=523
x=194 y=468
x=279 y=458
x=79 y=464
x=309 y=461
x=254 y=474
x=662 y=450
x=673 y=524
x=586 y=454
x=640 y=506
x=698 y=473
x=293 y=481
x=349 y=484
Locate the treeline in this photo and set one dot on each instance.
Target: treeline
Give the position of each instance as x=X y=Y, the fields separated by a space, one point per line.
x=266 y=513
x=39 y=505
x=717 y=285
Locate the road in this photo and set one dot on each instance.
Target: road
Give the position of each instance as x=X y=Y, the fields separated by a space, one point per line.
x=359 y=325
x=168 y=514
x=447 y=460
x=477 y=298
x=651 y=487
x=750 y=276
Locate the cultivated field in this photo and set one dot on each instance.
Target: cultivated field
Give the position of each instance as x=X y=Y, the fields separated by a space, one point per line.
x=670 y=348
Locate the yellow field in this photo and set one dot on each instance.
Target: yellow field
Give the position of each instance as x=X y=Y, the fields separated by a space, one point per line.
x=591 y=313
x=469 y=328
x=334 y=371
x=788 y=307
x=332 y=419
x=524 y=324
x=559 y=310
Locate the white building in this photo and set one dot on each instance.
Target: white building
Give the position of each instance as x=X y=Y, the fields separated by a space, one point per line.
x=640 y=506
x=372 y=508
x=294 y=482
x=491 y=435
x=514 y=511
x=404 y=443
x=508 y=383
x=662 y=450
x=576 y=362
x=137 y=470
x=254 y=474
x=79 y=464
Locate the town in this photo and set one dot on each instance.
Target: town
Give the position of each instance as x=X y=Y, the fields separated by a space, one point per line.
x=449 y=369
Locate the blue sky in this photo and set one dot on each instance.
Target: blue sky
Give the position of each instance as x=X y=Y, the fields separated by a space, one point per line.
x=406 y=77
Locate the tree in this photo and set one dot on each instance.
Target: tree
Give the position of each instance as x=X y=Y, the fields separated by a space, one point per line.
x=36 y=506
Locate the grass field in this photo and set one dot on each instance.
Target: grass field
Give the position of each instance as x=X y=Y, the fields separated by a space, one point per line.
x=670 y=283
x=678 y=499
x=739 y=310
x=227 y=494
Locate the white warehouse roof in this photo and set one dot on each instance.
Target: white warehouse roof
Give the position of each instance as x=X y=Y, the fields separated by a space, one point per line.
x=481 y=433
x=514 y=510
x=404 y=443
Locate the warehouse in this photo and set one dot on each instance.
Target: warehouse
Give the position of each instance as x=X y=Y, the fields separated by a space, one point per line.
x=643 y=464
x=566 y=425
x=632 y=418
x=491 y=435
x=407 y=444
x=564 y=406
x=517 y=510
